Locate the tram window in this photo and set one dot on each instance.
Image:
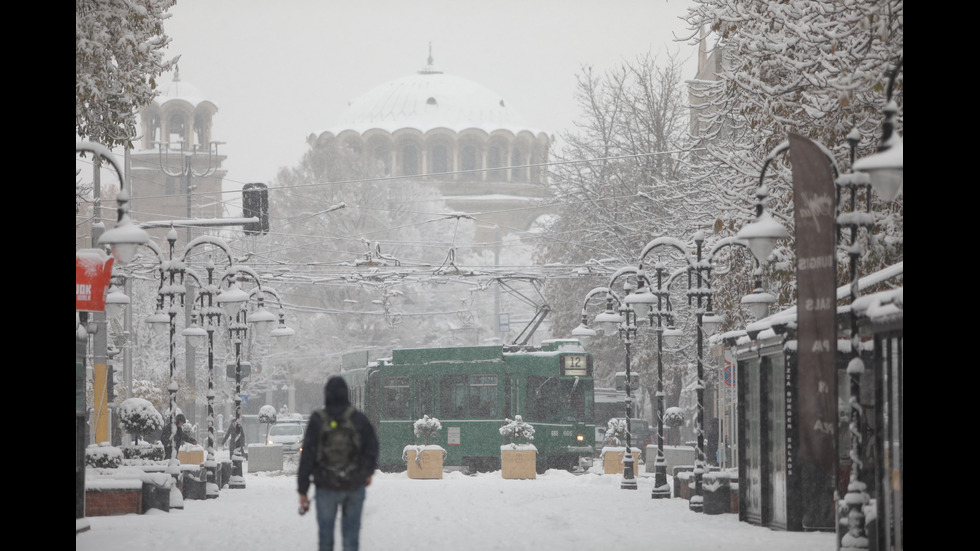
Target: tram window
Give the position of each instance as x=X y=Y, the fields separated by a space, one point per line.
x=543 y=400
x=452 y=398
x=483 y=395
x=426 y=398
x=396 y=398
x=577 y=407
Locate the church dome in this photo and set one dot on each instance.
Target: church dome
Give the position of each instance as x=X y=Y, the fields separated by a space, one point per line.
x=430 y=99
x=178 y=89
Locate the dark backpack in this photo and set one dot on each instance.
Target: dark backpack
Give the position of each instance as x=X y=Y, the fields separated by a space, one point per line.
x=337 y=453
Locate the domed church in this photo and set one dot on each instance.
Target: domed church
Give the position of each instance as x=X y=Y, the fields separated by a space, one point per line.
x=467 y=140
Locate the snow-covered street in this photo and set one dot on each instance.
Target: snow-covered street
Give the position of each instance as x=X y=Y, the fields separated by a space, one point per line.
x=558 y=510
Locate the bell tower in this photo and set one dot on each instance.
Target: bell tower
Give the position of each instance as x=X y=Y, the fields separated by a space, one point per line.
x=176 y=171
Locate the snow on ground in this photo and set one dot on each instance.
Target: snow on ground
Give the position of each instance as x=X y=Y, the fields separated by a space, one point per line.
x=558 y=510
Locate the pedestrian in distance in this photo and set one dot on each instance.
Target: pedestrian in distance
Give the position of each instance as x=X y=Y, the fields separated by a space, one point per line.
x=179 y=436
x=236 y=434
x=340 y=454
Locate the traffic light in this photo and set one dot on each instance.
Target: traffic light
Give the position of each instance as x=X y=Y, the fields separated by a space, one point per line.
x=255 y=204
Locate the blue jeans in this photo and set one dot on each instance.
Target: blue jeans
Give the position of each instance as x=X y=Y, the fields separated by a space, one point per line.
x=350 y=504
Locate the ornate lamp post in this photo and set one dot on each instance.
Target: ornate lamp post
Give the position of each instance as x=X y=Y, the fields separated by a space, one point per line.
x=209 y=316
x=624 y=320
x=669 y=335
x=123 y=241
x=186 y=172
x=883 y=172
x=700 y=296
x=233 y=301
x=617 y=318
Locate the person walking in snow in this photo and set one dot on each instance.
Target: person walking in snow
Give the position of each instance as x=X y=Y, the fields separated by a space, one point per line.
x=179 y=436
x=340 y=454
x=236 y=434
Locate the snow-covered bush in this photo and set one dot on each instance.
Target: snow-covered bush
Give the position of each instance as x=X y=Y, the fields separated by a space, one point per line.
x=139 y=417
x=103 y=456
x=267 y=415
x=427 y=428
x=144 y=450
x=674 y=417
x=616 y=431
x=517 y=431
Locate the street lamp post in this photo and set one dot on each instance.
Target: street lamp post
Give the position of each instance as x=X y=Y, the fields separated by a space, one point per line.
x=208 y=164
x=123 y=241
x=209 y=315
x=619 y=319
x=668 y=334
x=882 y=172
x=233 y=301
x=624 y=320
x=700 y=296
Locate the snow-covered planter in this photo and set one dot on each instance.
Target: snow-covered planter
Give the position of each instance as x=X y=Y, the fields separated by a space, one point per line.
x=616 y=431
x=427 y=428
x=144 y=451
x=612 y=455
x=267 y=415
x=518 y=457
x=103 y=456
x=517 y=432
x=425 y=460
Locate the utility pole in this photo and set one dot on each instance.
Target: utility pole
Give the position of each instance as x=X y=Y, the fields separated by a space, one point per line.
x=100 y=367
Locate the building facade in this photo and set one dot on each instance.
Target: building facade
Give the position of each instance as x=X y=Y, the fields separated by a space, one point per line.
x=455 y=135
x=175 y=172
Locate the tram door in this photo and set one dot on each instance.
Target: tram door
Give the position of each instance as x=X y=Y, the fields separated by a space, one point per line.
x=511 y=396
x=424 y=400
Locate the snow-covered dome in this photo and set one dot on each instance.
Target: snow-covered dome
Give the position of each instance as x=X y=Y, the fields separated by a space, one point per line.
x=430 y=99
x=178 y=89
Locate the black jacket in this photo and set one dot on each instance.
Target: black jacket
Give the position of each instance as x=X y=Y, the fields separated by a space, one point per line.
x=179 y=438
x=336 y=400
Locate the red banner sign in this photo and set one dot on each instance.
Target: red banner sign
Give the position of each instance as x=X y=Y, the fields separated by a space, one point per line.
x=93 y=270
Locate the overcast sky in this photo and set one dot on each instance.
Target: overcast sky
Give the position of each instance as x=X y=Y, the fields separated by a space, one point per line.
x=279 y=71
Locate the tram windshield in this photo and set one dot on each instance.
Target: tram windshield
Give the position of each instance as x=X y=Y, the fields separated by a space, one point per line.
x=554 y=399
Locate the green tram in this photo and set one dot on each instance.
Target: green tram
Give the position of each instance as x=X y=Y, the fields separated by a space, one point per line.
x=471 y=390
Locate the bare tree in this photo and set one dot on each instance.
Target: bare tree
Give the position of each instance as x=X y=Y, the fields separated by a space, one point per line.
x=620 y=181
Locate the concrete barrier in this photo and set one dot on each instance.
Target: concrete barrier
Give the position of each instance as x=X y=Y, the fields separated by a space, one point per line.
x=263 y=457
x=673 y=455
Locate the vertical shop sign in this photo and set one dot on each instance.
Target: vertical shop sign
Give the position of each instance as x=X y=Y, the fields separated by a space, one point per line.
x=814 y=211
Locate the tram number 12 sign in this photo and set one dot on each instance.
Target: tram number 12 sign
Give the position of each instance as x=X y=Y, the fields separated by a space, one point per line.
x=574 y=366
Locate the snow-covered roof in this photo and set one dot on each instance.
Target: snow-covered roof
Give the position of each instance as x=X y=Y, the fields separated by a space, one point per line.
x=879 y=307
x=430 y=99
x=178 y=89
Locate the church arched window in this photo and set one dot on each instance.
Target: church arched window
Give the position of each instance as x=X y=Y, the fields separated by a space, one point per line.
x=467 y=162
x=201 y=130
x=440 y=160
x=175 y=129
x=381 y=159
x=410 y=160
x=495 y=159
x=517 y=160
